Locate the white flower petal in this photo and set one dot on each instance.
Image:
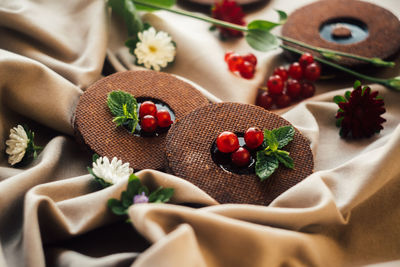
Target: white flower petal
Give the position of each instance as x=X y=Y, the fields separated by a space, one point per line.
x=16 y=144
x=113 y=172
x=155 y=49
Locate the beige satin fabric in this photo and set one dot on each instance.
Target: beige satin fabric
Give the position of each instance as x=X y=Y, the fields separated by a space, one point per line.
x=53 y=213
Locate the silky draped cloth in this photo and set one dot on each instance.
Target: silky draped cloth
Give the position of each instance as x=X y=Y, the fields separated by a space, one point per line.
x=53 y=213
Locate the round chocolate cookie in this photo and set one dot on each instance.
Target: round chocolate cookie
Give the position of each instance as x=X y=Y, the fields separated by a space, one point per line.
x=355 y=27
x=189 y=145
x=93 y=119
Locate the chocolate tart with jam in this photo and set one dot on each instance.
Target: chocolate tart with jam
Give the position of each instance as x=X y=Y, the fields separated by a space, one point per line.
x=94 y=124
x=192 y=154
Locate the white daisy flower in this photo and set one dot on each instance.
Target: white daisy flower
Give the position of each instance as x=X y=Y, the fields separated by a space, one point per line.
x=17 y=144
x=111 y=172
x=154 y=49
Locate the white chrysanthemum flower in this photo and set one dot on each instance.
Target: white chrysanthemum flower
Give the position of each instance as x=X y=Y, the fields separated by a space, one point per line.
x=17 y=144
x=154 y=49
x=111 y=172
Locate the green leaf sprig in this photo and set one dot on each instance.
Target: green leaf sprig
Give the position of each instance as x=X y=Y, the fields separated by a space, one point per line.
x=135 y=188
x=259 y=37
x=271 y=155
x=124 y=108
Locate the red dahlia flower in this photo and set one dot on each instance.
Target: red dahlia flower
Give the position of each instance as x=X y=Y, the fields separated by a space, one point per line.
x=229 y=11
x=359 y=113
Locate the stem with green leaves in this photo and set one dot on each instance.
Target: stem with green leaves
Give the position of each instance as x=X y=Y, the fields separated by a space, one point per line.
x=337 y=55
x=391 y=83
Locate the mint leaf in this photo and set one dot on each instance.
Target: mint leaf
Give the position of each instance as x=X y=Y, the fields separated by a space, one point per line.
x=126 y=200
x=124 y=107
x=161 y=3
x=133 y=186
x=116 y=206
x=284 y=135
x=265 y=165
x=272 y=141
x=284 y=158
x=264 y=25
x=282 y=16
x=261 y=40
x=116 y=101
x=165 y=194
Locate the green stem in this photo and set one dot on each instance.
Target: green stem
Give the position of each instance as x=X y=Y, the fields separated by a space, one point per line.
x=344 y=69
x=192 y=15
x=335 y=55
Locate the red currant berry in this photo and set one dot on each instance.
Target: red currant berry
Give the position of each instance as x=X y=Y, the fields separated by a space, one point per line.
x=283 y=101
x=275 y=85
x=251 y=59
x=264 y=100
x=148 y=123
x=147 y=108
x=234 y=61
x=163 y=118
x=227 y=54
x=253 y=137
x=307 y=89
x=227 y=142
x=295 y=71
x=306 y=59
x=241 y=157
x=312 y=72
x=282 y=72
x=246 y=70
x=293 y=88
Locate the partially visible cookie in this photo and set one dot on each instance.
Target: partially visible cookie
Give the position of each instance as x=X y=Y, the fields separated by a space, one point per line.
x=382 y=28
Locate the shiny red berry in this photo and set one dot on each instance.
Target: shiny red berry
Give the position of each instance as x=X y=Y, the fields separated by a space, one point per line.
x=147 y=108
x=246 y=70
x=295 y=71
x=163 y=118
x=234 y=61
x=251 y=58
x=148 y=123
x=307 y=89
x=283 y=101
x=312 y=71
x=253 y=137
x=275 y=85
x=282 y=72
x=264 y=100
x=241 y=157
x=293 y=88
x=227 y=54
x=227 y=142
x=306 y=59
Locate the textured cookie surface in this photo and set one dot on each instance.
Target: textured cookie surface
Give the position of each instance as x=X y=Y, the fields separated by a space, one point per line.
x=383 y=27
x=188 y=148
x=93 y=119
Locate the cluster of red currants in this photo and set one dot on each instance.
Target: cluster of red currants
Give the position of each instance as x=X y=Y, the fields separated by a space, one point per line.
x=228 y=142
x=150 y=117
x=287 y=85
x=244 y=65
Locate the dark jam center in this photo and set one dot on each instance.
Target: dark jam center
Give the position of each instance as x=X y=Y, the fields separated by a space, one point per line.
x=160 y=105
x=223 y=160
